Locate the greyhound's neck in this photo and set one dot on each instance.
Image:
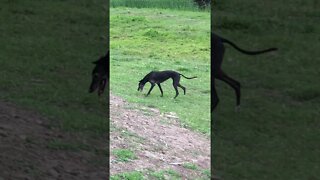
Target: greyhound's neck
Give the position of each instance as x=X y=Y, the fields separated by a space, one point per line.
x=145 y=79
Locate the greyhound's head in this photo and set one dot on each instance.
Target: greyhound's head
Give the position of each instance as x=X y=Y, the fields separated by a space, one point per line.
x=99 y=75
x=141 y=85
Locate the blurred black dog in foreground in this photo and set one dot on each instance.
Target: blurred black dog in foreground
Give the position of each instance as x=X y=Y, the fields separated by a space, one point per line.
x=217 y=53
x=100 y=74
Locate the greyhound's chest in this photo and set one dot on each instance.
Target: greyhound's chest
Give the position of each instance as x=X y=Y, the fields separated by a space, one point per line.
x=157 y=80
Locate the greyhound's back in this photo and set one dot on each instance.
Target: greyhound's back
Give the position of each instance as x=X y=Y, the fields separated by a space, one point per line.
x=163 y=75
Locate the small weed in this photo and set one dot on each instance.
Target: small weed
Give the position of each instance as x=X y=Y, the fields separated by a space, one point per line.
x=163 y=174
x=124 y=155
x=206 y=173
x=134 y=175
x=157 y=175
x=128 y=134
x=190 y=166
x=173 y=173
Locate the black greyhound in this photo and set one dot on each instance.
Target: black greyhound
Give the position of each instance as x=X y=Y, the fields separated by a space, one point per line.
x=100 y=74
x=157 y=77
x=217 y=52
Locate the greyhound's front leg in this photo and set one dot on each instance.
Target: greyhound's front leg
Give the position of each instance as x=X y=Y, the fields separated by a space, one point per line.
x=102 y=86
x=152 y=85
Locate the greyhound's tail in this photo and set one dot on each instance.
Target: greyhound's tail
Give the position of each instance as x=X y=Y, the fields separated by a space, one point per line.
x=245 y=51
x=188 y=77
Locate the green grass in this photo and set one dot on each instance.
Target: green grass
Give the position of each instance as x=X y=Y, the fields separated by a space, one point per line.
x=134 y=175
x=46 y=56
x=161 y=4
x=158 y=175
x=275 y=135
x=190 y=166
x=163 y=174
x=206 y=173
x=147 y=174
x=173 y=174
x=124 y=155
x=143 y=40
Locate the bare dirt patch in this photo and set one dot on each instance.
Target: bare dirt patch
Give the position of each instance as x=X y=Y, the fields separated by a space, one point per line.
x=158 y=140
x=25 y=151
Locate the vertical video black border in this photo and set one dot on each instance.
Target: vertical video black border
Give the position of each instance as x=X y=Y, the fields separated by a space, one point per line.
x=211 y=94
x=108 y=90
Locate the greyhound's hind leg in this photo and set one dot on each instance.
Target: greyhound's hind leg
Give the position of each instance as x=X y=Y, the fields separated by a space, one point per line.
x=175 y=84
x=233 y=83
x=177 y=92
x=184 y=89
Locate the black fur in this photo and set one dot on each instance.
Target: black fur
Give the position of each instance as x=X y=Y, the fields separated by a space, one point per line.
x=100 y=74
x=217 y=53
x=157 y=77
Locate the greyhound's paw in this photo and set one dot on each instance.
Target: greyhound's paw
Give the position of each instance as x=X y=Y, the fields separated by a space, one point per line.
x=237 y=109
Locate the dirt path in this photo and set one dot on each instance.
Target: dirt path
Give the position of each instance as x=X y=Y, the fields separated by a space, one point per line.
x=25 y=151
x=158 y=141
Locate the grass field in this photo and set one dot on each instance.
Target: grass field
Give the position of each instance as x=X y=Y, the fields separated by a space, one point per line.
x=276 y=133
x=46 y=53
x=160 y=4
x=142 y=40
